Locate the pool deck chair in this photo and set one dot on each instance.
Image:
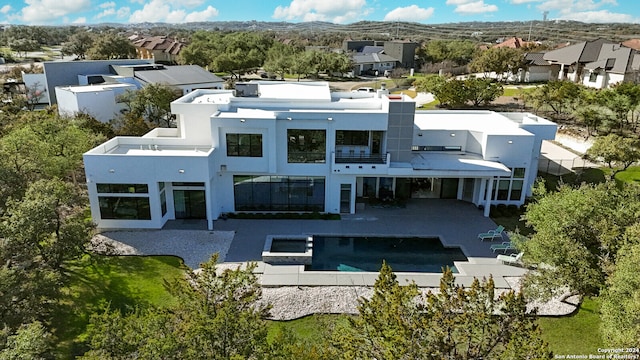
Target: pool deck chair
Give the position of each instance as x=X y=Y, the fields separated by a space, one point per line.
x=504 y=247
x=513 y=259
x=491 y=234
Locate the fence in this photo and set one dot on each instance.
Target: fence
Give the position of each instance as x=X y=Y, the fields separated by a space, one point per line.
x=563 y=166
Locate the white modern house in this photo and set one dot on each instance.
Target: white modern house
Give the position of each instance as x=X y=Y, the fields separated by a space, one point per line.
x=297 y=147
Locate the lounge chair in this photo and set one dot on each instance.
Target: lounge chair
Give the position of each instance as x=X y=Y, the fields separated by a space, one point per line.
x=512 y=259
x=492 y=234
x=504 y=247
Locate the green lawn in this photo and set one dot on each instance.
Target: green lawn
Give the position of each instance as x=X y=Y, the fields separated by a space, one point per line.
x=575 y=334
x=513 y=91
x=631 y=175
x=124 y=282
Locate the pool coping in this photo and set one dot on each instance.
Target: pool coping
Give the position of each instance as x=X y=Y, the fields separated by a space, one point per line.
x=275 y=275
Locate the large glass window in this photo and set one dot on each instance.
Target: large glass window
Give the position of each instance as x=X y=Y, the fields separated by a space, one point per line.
x=306 y=146
x=249 y=145
x=351 y=137
x=516 y=190
x=122 y=188
x=279 y=193
x=125 y=208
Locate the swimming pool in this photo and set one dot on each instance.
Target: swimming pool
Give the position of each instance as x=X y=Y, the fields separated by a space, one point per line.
x=366 y=253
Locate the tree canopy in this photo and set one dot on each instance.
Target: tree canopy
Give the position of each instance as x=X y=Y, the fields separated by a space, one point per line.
x=111 y=46
x=501 y=60
x=578 y=233
x=454 y=323
x=616 y=151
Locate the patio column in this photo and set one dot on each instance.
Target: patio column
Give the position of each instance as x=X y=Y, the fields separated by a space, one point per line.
x=460 y=187
x=487 y=199
x=561 y=72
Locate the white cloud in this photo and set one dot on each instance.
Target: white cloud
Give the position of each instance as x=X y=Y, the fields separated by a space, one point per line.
x=207 y=14
x=322 y=10
x=409 y=13
x=574 y=6
x=518 y=2
x=123 y=12
x=80 y=20
x=43 y=11
x=110 y=4
x=105 y=13
x=5 y=9
x=166 y=11
x=475 y=7
x=601 y=16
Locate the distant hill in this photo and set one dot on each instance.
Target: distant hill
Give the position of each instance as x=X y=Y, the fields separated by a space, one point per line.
x=555 y=31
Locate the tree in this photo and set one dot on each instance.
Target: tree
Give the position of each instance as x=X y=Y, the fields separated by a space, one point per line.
x=236 y=52
x=501 y=60
x=22 y=46
x=482 y=91
x=111 y=46
x=561 y=96
x=153 y=103
x=577 y=236
x=217 y=316
x=455 y=323
x=39 y=231
x=616 y=151
x=459 y=52
x=621 y=299
x=78 y=44
x=30 y=342
x=280 y=58
x=591 y=117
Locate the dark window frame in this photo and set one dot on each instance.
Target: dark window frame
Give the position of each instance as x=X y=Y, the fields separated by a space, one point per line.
x=244 y=144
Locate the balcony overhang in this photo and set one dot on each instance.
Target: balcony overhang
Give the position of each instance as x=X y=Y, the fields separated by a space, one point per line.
x=457 y=165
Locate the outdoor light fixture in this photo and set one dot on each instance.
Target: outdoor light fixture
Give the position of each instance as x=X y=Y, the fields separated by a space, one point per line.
x=330 y=118
x=453 y=134
x=419 y=134
x=289 y=119
x=181 y=171
x=510 y=142
x=242 y=120
x=112 y=170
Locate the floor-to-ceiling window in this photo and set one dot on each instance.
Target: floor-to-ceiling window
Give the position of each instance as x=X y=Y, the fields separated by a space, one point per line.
x=189 y=200
x=278 y=193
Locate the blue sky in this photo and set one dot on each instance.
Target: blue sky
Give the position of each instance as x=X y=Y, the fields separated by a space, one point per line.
x=57 y=12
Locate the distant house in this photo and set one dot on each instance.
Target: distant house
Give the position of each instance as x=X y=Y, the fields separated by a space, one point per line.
x=513 y=42
x=632 y=43
x=372 y=57
x=599 y=63
x=97 y=93
x=537 y=69
x=160 y=48
x=615 y=64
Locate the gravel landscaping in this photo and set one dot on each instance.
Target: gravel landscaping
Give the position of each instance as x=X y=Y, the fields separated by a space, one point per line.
x=193 y=246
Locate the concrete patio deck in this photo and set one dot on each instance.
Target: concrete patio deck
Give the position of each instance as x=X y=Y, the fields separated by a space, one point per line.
x=455 y=222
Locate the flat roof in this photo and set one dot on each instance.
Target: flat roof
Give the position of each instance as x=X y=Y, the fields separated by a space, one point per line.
x=96 y=87
x=484 y=121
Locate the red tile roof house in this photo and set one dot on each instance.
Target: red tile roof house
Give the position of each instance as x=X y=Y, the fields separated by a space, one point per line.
x=160 y=48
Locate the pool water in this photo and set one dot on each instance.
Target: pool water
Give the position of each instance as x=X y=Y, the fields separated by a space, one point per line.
x=403 y=254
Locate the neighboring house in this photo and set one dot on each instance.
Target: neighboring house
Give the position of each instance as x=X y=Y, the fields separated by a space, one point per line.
x=99 y=101
x=295 y=146
x=573 y=58
x=372 y=63
x=185 y=77
x=162 y=49
x=65 y=73
x=615 y=64
x=537 y=69
x=371 y=56
x=74 y=97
